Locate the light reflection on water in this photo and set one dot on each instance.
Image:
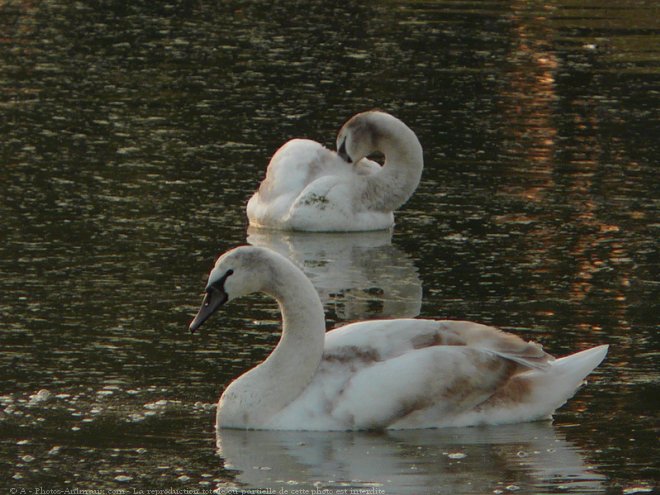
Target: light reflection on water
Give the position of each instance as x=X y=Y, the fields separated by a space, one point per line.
x=133 y=135
x=507 y=459
x=358 y=276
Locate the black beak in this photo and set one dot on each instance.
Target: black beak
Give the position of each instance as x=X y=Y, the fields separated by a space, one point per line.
x=342 y=152
x=214 y=298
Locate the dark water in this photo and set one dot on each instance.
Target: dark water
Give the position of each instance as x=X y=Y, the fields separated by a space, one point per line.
x=131 y=137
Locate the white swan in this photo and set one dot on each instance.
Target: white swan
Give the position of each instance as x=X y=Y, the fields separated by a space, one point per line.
x=398 y=374
x=310 y=188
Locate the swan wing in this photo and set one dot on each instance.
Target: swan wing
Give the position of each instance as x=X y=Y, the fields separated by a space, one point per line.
x=402 y=374
x=456 y=386
x=333 y=203
x=408 y=373
x=423 y=388
x=386 y=339
x=295 y=165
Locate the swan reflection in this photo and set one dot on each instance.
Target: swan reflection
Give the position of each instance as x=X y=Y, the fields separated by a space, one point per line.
x=527 y=457
x=358 y=275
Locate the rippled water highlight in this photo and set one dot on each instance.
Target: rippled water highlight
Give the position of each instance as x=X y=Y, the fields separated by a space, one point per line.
x=132 y=135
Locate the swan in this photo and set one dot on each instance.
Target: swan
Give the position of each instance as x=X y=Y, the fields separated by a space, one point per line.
x=311 y=188
x=380 y=374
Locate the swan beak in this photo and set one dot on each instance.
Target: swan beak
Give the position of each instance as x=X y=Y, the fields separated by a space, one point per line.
x=343 y=154
x=213 y=299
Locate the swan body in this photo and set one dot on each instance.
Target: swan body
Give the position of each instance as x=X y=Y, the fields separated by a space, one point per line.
x=311 y=188
x=380 y=374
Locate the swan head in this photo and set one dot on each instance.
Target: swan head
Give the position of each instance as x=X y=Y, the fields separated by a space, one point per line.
x=236 y=273
x=364 y=133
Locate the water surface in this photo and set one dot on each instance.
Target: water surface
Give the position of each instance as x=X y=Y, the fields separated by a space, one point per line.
x=133 y=135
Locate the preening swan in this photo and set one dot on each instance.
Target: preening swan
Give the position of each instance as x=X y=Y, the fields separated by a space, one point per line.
x=380 y=374
x=311 y=188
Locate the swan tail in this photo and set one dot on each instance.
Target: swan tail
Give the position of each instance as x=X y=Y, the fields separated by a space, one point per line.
x=537 y=393
x=576 y=367
x=552 y=387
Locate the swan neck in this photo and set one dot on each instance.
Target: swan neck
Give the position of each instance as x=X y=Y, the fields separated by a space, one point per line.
x=401 y=172
x=294 y=361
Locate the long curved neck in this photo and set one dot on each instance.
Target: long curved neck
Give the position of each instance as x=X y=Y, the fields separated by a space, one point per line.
x=283 y=376
x=390 y=188
x=303 y=326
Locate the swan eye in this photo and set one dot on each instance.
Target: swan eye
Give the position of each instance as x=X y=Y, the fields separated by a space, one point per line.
x=220 y=284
